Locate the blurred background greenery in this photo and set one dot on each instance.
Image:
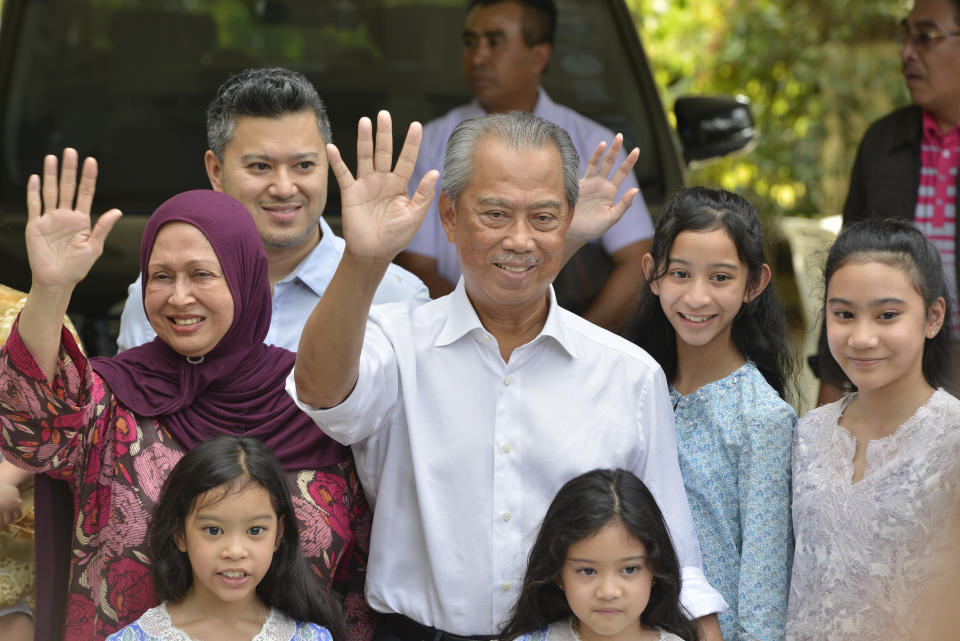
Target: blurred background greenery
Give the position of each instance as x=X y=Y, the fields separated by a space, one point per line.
x=817 y=73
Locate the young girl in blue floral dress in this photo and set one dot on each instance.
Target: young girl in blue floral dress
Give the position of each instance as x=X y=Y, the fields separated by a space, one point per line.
x=226 y=554
x=709 y=318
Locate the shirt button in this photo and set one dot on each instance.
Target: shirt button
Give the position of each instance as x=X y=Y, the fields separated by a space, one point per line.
x=486 y=338
x=507 y=381
x=946 y=153
x=506 y=516
x=506 y=586
x=506 y=448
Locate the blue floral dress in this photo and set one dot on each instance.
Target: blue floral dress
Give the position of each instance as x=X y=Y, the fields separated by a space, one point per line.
x=734 y=440
x=155 y=625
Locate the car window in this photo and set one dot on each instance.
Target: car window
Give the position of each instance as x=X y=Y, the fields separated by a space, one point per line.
x=128 y=81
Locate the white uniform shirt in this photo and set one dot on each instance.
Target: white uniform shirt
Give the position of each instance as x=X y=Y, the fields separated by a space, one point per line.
x=431 y=240
x=294 y=296
x=460 y=453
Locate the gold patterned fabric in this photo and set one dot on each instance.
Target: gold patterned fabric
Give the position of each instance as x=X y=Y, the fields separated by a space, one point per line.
x=11 y=302
x=16 y=540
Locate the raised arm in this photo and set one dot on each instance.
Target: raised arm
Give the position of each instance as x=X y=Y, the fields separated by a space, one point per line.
x=379 y=219
x=597 y=208
x=61 y=247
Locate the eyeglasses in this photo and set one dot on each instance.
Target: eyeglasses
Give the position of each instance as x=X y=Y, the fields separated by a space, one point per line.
x=924 y=37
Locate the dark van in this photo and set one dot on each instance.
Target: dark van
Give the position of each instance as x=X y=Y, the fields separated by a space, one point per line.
x=129 y=82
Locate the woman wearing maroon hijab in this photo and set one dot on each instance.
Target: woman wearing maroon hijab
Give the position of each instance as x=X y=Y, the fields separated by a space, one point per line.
x=105 y=432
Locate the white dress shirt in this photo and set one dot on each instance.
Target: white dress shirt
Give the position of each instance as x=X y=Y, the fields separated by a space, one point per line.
x=294 y=296
x=585 y=134
x=460 y=453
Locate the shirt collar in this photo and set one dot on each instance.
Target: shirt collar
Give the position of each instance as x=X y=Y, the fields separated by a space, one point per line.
x=908 y=135
x=544 y=107
x=462 y=319
x=317 y=267
x=931 y=130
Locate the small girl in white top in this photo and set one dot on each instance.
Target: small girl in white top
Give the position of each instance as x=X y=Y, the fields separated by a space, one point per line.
x=875 y=475
x=603 y=568
x=226 y=554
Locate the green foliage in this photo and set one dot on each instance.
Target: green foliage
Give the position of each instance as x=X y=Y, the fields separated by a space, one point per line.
x=817 y=73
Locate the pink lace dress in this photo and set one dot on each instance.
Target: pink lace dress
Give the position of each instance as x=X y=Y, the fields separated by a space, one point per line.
x=867 y=552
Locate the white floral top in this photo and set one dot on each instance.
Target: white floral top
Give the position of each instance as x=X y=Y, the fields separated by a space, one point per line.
x=865 y=550
x=155 y=625
x=563 y=631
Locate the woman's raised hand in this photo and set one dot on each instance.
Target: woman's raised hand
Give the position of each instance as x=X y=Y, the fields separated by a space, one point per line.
x=379 y=219
x=61 y=245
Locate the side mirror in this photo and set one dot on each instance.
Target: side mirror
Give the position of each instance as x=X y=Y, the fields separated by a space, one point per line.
x=712 y=126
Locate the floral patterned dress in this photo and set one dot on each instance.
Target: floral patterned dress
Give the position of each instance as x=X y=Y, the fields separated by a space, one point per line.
x=734 y=437
x=867 y=552
x=72 y=428
x=155 y=625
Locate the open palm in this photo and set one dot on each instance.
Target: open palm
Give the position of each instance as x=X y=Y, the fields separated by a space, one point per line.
x=379 y=219
x=61 y=244
x=597 y=207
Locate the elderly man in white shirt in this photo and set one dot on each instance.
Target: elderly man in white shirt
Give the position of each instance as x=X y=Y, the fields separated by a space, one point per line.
x=468 y=413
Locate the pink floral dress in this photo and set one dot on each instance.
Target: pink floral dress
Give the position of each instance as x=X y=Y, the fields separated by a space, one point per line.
x=73 y=429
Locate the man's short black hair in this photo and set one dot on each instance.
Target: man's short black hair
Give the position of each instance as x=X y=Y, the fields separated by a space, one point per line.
x=539 y=18
x=268 y=93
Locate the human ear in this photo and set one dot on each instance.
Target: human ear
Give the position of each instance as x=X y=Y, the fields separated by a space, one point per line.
x=180 y=540
x=447 y=215
x=276 y=545
x=648 y=271
x=214 y=170
x=540 y=55
x=763 y=279
x=935 y=317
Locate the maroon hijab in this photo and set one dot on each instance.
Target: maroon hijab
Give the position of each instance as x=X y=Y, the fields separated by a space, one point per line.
x=237 y=389
x=239 y=386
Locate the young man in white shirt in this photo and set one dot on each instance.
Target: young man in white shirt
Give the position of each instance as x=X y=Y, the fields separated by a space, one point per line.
x=267 y=131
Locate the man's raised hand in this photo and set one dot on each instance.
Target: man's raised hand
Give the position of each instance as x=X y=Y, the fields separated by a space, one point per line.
x=379 y=219
x=597 y=207
x=61 y=244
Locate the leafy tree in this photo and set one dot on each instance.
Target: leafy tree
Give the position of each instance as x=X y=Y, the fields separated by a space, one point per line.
x=817 y=73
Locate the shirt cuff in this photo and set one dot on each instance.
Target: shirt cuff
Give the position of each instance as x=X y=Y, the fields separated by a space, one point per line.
x=697 y=596
x=346 y=414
